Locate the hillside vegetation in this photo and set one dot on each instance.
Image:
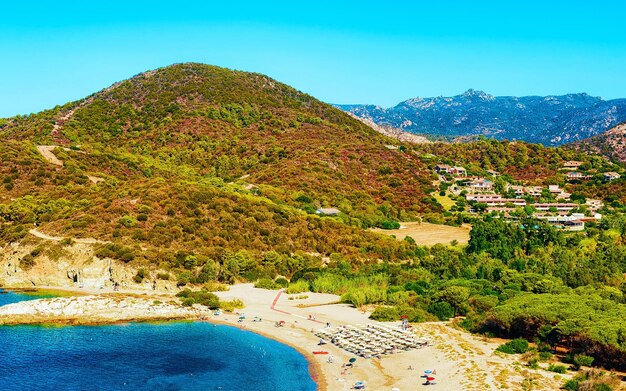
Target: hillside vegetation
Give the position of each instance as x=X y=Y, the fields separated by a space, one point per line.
x=200 y=161
x=611 y=143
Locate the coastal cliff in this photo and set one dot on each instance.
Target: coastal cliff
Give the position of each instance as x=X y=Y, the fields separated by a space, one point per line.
x=69 y=266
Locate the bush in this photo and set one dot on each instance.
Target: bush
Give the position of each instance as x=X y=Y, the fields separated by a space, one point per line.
x=389 y=313
x=580 y=360
x=281 y=282
x=163 y=276
x=533 y=363
x=214 y=286
x=188 y=302
x=388 y=224
x=27 y=262
x=298 y=287
x=116 y=251
x=516 y=346
x=230 y=306
x=128 y=221
x=545 y=356
x=442 y=310
x=141 y=274
x=557 y=368
x=184 y=278
x=593 y=380
x=385 y=314
x=66 y=242
x=201 y=297
x=36 y=251
x=266 y=283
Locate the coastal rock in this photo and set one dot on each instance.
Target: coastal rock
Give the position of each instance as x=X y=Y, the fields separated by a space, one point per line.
x=72 y=266
x=94 y=309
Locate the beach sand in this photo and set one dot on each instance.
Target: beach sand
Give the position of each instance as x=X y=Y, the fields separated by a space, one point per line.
x=462 y=361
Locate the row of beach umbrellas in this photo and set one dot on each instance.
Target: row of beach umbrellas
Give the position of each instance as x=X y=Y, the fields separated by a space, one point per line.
x=372 y=339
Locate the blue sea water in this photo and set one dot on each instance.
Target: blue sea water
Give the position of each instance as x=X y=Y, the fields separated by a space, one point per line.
x=166 y=356
x=8 y=297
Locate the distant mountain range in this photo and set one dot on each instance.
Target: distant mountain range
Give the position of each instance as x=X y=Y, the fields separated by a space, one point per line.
x=549 y=120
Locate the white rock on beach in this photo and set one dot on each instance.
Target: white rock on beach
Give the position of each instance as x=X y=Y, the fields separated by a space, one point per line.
x=92 y=309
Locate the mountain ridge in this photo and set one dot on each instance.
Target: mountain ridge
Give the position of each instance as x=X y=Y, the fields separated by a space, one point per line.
x=550 y=120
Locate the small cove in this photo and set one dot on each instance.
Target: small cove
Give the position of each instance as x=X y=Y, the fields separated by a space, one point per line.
x=146 y=356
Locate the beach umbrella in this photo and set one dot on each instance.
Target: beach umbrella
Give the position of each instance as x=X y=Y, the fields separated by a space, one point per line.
x=352 y=359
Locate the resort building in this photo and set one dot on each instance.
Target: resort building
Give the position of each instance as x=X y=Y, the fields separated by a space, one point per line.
x=458 y=171
x=563 y=196
x=442 y=169
x=560 y=207
x=572 y=165
x=480 y=184
x=577 y=176
x=495 y=200
x=594 y=205
x=482 y=197
x=611 y=176
x=570 y=223
x=519 y=190
x=534 y=191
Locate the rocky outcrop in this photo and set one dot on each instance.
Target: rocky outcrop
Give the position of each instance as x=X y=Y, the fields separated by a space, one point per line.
x=71 y=266
x=95 y=309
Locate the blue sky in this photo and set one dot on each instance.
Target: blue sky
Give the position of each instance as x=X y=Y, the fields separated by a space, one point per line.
x=339 y=51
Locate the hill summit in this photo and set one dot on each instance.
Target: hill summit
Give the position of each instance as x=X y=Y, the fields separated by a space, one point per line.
x=193 y=156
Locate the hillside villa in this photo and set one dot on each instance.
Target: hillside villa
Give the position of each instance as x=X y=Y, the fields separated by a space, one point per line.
x=480 y=184
x=594 y=205
x=456 y=171
x=575 y=175
x=572 y=165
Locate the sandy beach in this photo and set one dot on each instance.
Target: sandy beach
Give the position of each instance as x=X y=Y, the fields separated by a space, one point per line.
x=462 y=361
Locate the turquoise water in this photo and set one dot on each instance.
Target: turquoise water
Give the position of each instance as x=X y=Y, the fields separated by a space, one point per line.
x=167 y=356
x=8 y=297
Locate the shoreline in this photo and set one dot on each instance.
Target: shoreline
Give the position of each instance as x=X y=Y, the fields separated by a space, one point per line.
x=462 y=360
x=315 y=368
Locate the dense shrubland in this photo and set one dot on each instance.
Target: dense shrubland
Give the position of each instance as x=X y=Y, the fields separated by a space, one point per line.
x=563 y=289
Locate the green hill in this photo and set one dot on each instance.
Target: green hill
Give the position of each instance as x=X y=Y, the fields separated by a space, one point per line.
x=198 y=157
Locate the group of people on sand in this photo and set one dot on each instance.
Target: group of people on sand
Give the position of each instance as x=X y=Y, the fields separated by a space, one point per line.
x=428 y=374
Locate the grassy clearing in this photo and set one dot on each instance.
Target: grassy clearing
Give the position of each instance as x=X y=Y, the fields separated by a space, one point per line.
x=445 y=201
x=426 y=234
